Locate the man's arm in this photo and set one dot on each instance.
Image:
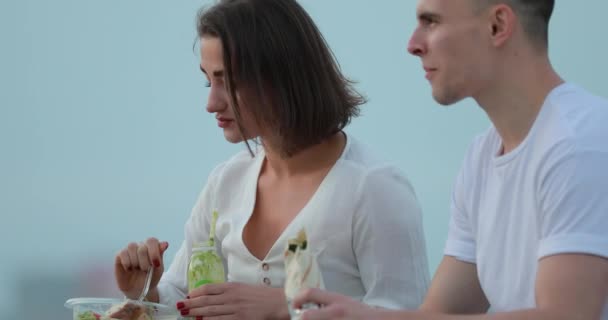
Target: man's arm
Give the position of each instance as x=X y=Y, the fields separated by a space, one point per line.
x=568 y=287
x=572 y=286
x=455 y=289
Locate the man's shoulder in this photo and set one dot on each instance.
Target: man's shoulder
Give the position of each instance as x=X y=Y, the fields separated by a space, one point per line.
x=574 y=120
x=574 y=109
x=570 y=94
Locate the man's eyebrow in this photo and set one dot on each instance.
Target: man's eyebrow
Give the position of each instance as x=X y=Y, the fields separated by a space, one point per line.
x=428 y=16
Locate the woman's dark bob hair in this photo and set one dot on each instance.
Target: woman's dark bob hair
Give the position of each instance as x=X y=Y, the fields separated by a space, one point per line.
x=273 y=49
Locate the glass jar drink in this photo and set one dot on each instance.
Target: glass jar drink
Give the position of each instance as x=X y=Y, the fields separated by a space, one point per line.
x=205 y=266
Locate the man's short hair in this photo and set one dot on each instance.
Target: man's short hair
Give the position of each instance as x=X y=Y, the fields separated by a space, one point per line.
x=534 y=16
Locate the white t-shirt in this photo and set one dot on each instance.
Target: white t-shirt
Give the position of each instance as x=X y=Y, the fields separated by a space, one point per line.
x=548 y=196
x=363 y=223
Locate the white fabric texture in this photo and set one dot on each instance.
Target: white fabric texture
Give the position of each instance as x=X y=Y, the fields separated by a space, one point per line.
x=364 y=224
x=547 y=196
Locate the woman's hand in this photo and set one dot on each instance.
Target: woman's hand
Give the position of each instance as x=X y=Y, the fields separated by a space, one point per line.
x=132 y=263
x=235 y=301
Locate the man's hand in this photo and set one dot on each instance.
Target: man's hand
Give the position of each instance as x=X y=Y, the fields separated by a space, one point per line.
x=335 y=306
x=235 y=301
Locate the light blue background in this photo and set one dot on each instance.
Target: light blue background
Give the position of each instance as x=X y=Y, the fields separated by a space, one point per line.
x=104 y=138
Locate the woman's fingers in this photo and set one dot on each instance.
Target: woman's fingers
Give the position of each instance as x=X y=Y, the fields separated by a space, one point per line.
x=154 y=252
x=212 y=311
x=132 y=252
x=143 y=257
x=123 y=259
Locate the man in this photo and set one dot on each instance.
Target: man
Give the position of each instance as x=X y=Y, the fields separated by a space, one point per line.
x=528 y=236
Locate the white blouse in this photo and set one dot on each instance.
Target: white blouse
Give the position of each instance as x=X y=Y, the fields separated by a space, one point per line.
x=363 y=223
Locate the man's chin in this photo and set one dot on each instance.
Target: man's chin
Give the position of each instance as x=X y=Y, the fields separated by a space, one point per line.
x=446 y=99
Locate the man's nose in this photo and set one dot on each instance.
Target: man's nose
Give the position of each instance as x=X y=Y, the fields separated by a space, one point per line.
x=414 y=46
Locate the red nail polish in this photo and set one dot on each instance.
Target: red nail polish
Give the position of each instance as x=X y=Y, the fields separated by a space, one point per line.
x=156 y=263
x=184 y=312
x=199 y=318
x=180 y=305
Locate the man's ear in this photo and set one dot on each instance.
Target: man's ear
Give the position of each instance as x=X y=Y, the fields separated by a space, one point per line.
x=502 y=24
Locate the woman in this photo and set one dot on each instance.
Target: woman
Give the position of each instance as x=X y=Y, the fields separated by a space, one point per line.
x=274 y=80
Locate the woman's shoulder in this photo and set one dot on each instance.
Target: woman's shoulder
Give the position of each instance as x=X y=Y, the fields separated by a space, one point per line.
x=361 y=167
x=360 y=157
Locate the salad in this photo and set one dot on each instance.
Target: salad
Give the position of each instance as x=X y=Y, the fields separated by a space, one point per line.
x=127 y=310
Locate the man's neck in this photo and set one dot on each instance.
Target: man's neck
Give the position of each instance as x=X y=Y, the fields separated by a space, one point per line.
x=515 y=99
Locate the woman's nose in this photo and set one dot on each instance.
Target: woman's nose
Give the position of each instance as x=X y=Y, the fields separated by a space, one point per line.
x=216 y=101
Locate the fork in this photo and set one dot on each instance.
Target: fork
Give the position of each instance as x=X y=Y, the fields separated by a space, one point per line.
x=144 y=293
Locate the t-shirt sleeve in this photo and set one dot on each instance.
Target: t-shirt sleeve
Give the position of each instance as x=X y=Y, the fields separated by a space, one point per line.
x=574 y=203
x=173 y=285
x=388 y=241
x=460 y=242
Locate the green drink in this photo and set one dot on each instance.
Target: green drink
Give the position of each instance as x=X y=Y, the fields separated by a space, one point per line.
x=206 y=265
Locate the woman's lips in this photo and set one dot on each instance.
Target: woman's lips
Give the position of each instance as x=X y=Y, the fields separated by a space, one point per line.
x=223 y=123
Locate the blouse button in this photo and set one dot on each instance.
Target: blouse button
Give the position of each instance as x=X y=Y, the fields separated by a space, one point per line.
x=267 y=281
x=265 y=266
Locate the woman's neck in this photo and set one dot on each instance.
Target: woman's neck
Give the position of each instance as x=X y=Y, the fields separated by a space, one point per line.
x=317 y=157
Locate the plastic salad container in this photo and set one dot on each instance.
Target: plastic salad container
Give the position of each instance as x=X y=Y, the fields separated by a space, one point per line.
x=97 y=309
